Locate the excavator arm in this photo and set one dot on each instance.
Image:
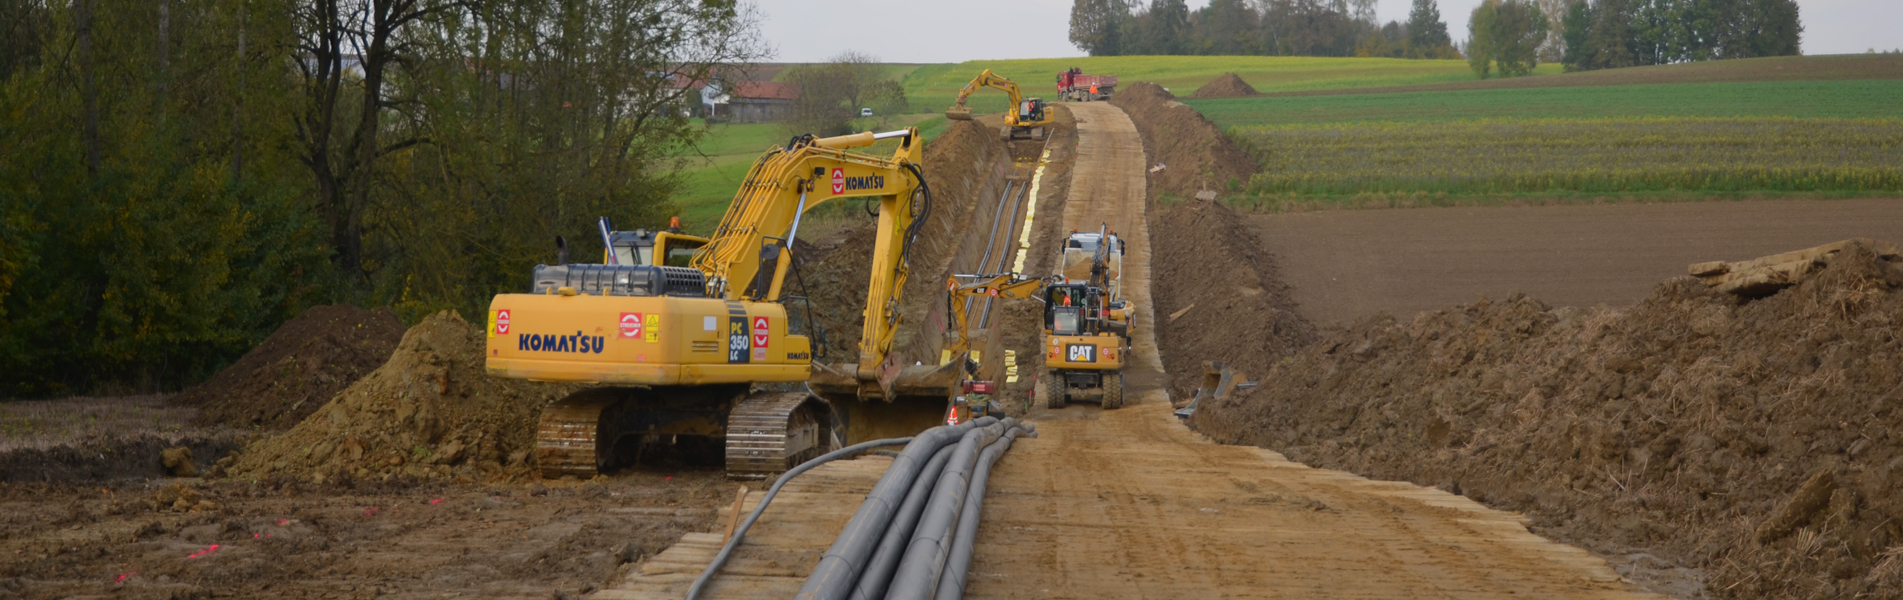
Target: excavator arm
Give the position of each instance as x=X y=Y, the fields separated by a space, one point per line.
x=958 y=112
x=1018 y=116
x=747 y=258
x=1008 y=285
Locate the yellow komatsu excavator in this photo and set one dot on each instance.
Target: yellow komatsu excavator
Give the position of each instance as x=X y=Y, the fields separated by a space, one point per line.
x=705 y=355
x=1028 y=118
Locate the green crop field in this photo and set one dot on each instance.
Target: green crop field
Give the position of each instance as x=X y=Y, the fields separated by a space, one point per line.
x=1834 y=99
x=1580 y=137
x=1584 y=156
x=934 y=87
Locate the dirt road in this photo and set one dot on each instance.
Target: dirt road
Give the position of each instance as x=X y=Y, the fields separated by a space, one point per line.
x=1347 y=264
x=1130 y=504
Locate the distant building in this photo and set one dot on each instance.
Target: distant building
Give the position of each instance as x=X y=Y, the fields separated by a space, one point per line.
x=760 y=102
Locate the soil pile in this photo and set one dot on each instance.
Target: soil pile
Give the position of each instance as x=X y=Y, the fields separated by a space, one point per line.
x=1228 y=85
x=1219 y=296
x=1755 y=439
x=429 y=412
x=1194 y=153
x=297 y=369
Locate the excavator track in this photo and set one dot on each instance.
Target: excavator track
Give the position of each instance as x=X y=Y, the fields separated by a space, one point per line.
x=769 y=433
x=599 y=429
x=567 y=440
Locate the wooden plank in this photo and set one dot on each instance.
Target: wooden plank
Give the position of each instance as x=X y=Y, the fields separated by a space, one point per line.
x=772 y=561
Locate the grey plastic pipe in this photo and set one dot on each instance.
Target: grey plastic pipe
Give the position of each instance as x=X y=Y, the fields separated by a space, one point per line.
x=720 y=560
x=878 y=573
x=924 y=561
x=840 y=568
x=951 y=585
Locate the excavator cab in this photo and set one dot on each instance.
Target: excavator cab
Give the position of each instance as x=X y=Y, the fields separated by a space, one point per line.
x=1031 y=110
x=641 y=247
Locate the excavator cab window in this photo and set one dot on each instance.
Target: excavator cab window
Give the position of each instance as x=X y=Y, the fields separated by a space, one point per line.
x=1067 y=320
x=632 y=248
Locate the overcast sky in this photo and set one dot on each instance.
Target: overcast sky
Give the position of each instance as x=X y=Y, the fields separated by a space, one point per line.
x=960 y=30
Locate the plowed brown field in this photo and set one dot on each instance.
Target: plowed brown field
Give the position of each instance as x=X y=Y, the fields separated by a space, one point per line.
x=1344 y=265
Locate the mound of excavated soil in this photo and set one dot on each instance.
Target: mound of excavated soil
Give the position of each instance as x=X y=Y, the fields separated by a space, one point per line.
x=1758 y=440
x=1228 y=85
x=297 y=369
x=1195 y=154
x=1219 y=296
x=429 y=412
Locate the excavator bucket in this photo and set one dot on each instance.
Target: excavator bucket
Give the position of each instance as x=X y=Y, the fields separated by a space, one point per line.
x=900 y=401
x=958 y=113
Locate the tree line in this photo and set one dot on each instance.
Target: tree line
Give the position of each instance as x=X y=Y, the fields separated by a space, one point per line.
x=181 y=176
x=1511 y=37
x=1257 y=27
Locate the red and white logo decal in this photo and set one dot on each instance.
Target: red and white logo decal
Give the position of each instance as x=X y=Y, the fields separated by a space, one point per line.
x=839 y=180
x=759 y=332
x=630 y=325
x=502 y=322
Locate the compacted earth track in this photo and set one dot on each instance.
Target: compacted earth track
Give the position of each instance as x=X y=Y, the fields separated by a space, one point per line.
x=1131 y=504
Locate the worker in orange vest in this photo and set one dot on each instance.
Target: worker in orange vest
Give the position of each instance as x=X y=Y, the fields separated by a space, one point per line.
x=1093 y=89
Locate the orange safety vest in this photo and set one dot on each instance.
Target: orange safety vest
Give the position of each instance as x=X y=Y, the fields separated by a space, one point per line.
x=1093 y=89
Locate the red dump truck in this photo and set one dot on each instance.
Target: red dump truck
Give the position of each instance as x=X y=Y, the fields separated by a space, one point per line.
x=1075 y=86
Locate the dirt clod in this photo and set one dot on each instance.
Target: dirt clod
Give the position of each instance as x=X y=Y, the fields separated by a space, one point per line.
x=1227 y=85
x=1752 y=439
x=431 y=412
x=297 y=369
x=178 y=461
x=1194 y=154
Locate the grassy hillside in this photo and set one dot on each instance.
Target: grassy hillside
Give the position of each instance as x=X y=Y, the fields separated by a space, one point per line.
x=936 y=86
x=1828 y=99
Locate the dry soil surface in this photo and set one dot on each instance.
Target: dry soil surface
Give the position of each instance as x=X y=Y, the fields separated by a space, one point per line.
x=285 y=539
x=1345 y=265
x=1129 y=503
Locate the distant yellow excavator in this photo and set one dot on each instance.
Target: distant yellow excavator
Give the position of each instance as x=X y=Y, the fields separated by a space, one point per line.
x=1028 y=118
x=706 y=354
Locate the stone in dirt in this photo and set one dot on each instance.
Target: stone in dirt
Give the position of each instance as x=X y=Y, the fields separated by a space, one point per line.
x=1754 y=439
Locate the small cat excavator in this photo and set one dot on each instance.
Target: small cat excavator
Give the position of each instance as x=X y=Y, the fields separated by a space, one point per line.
x=1028 y=118
x=705 y=355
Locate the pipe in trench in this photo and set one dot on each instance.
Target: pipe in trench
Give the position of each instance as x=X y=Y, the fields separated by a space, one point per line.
x=878 y=574
x=951 y=585
x=924 y=561
x=845 y=561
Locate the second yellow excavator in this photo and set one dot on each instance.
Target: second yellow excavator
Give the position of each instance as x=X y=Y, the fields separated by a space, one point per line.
x=1028 y=118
